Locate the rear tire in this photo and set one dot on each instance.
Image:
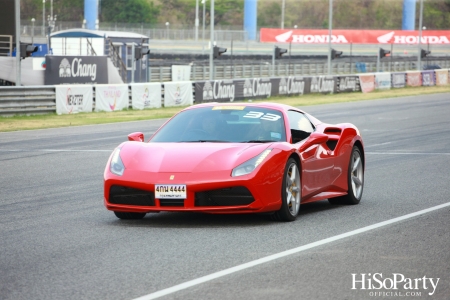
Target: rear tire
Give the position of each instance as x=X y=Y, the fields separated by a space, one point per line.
x=355 y=179
x=129 y=215
x=290 y=193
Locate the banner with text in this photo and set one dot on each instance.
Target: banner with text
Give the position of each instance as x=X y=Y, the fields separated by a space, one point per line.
x=428 y=78
x=75 y=69
x=441 y=76
x=382 y=81
x=178 y=93
x=340 y=36
x=398 y=79
x=181 y=73
x=346 y=84
x=145 y=95
x=72 y=99
x=111 y=97
x=367 y=82
x=413 y=78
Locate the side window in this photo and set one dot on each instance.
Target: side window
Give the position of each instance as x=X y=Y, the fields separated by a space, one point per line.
x=130 y=57
x=300 y=126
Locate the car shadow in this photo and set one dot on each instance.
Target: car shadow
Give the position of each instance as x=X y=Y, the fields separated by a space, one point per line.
x=203 y=220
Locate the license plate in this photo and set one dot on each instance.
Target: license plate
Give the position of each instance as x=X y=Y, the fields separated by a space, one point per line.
x=170 y=191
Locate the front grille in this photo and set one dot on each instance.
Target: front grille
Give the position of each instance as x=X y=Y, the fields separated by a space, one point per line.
x=171 y=202
x=130 y=196
x=233 y=196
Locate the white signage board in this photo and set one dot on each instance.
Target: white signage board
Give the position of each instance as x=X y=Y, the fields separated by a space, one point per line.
x=181 y=73
x=145 y=95
x=178 y=93
x=72 y=99
x=111 y=97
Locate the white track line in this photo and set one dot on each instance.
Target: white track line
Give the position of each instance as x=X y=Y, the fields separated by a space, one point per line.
x=269 y=258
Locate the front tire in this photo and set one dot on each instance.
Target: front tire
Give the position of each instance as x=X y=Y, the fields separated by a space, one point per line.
x=290 y=193
x=129 y=215
x=355 y=179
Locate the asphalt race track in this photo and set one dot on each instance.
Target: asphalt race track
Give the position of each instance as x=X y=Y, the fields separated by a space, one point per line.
x=57 y=241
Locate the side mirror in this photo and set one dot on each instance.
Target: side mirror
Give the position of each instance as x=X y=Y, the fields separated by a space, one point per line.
x=314 y=139
x=136 y=137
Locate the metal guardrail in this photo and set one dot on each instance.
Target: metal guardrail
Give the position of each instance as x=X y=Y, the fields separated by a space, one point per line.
x=27 y=100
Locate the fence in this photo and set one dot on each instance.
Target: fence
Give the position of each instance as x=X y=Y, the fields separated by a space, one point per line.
x=158 y=32
x=201 y=72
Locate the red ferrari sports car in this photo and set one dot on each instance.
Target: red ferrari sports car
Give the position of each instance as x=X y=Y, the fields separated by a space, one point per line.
x=236 y=158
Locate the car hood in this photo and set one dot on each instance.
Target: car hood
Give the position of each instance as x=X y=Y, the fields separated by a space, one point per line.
x=187 y=157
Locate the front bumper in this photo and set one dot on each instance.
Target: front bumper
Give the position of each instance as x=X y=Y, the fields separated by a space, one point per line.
x=220 y=193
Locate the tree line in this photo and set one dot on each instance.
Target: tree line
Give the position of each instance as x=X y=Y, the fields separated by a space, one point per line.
x=347 y=14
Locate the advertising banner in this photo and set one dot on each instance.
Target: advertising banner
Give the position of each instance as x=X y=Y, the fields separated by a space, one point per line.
x=75 y=70
x=382 y=81
x=240 y=89
x=398 y=79
x=441 y=77
x=181 y=73
x=413 y=78
x=72 y=99
x=323 y=84
x=178 y=93
x=428 y=78
x=145 y=95
x=292 y=85
x=111 y=97
x=367 y=83
x=346 y=84
x=339 y=36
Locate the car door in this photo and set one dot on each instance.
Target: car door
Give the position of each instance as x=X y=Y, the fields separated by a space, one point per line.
x=317 y=161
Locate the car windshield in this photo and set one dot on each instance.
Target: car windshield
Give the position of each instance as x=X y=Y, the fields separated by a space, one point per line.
x=222 y=124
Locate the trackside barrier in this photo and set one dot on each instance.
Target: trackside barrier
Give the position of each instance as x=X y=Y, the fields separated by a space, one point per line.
x=66 y=99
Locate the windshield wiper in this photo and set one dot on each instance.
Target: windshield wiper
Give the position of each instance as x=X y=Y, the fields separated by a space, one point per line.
x=259 y=141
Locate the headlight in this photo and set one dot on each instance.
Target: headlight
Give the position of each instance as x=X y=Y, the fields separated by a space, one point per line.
x=251 y=164
x=117 y=166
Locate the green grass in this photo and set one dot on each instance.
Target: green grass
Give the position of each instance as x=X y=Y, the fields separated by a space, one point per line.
x=54 y=121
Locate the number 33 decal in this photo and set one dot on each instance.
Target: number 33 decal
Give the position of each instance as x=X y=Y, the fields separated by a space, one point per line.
x=262 y=116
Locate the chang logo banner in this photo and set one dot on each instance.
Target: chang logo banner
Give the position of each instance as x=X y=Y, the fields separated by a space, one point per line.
x=216 y=90
x=347 y=84
x=76 y=69
x=294 y=85
x=323 y=84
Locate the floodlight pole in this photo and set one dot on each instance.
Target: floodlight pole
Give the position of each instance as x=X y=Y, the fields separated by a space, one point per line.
x=43 y=17
x=273 y=60
x=420 y=37
x=17 y=15
x=204 y=12
x=196 y=20
x=378 y=60
x=330 y=26
x=283 y=6
x=211 y=50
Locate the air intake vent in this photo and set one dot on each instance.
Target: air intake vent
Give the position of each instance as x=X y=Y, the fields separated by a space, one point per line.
x=336 y=131
x=171 y=202
x=233 y=196
x=130 y=196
